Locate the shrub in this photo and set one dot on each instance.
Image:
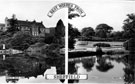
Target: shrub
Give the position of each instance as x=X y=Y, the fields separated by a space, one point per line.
x=102 y=45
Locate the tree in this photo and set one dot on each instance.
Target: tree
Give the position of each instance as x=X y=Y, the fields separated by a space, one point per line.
x=87 y=32
x=59 y=32
x=101 y=33
x=104 y=28
x=22 y=40
x=117 y=35
x=73 y=32
x=71 y=36
x=60 y=29
x=129 y=25
x=13 y=25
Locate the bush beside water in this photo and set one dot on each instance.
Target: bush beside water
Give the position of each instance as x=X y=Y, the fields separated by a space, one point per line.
x=102 y=45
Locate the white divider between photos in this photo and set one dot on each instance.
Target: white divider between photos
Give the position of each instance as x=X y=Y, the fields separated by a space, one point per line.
x=66 y=45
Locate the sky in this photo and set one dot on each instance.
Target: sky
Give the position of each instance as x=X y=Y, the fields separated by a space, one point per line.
x=111 y=12
x=32 y=10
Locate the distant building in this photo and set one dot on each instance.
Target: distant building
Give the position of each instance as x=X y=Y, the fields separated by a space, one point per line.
x=35 y=28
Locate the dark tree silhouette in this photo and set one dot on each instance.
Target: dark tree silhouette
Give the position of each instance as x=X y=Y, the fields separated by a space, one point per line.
x=104 y=28
x=13 y=25
x=87 y=32
x=129 y=25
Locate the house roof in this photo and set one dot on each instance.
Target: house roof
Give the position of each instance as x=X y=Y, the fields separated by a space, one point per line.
x=29 y=23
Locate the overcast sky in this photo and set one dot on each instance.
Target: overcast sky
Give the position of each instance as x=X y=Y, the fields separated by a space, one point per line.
x=111 y=12
x=30 y=10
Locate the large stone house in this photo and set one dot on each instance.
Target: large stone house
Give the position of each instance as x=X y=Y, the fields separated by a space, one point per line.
x=33 y=27
x=50 y=31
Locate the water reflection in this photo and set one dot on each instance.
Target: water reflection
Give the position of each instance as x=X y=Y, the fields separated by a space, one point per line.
x=104 y=64
x=105 y=69
x=24 y=66
x=129 y=76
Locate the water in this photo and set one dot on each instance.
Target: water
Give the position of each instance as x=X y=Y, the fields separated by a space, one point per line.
x=30 y=68
x=105 y=69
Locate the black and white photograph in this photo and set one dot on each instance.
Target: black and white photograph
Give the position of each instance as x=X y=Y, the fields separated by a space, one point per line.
x=101 y=43
x=31 y=43
x=67 y=42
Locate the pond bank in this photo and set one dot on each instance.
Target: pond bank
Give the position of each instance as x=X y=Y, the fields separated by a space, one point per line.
x=84 y=53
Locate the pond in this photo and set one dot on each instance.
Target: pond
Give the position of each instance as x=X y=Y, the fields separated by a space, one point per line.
x=30 y=68
x=116 y=69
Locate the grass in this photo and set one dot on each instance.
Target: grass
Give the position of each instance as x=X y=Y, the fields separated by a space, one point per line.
x=91 y=43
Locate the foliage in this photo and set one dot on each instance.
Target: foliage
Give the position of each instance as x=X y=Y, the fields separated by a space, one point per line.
x=52 y=50
x=73 y=32
x=49 y=39
x=114 y=52
x=104 y=27
x=60 y=29
x=71 y=43
x=102 y=30
x=13 y=26
x=101 y=33
x=22 y=40
x=102 y=45
x=59 y=34
x=129 y=25
x=117 y=35
x=87 y=32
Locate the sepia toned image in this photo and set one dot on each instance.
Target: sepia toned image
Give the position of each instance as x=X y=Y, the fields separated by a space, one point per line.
x=102 y=43
x=31 y=43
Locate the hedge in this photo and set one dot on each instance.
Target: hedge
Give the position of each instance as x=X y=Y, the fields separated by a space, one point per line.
x=102 y=45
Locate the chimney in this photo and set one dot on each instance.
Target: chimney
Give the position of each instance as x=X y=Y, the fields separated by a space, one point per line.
x=6 y=18
x=34 y=21
x=41 y=21
x=14 y=16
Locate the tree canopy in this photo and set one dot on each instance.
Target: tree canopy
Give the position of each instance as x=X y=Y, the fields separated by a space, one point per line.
x=104 y=27
x=87 y=32
x=129 y=25
x=13 y=25
x=22 y=40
